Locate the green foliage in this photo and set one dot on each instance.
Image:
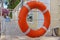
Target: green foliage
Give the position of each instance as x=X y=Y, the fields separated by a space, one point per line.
x=13 y=3
x=10 y=15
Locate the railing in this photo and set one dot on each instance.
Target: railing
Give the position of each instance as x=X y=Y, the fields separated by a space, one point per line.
x=18 y=6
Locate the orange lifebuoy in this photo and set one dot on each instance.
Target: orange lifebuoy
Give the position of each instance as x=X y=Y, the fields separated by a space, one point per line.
x=22 y=19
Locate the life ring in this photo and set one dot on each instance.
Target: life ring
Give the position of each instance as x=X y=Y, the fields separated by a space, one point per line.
x=22 y=19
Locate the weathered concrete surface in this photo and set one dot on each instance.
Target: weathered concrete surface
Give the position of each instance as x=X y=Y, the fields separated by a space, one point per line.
x=28 y=38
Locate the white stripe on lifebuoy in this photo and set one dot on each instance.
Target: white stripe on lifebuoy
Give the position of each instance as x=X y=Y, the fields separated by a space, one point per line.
x=44 y=28
x=28 y=30
x=27 y=7
x=45 y=11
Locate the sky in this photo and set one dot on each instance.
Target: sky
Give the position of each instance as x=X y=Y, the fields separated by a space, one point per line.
x=5 y=6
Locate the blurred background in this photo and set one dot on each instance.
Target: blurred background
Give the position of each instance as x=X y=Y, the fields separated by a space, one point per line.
x=9 y=28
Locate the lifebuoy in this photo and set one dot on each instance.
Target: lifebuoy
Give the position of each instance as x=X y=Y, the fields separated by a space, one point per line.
x=22 y=19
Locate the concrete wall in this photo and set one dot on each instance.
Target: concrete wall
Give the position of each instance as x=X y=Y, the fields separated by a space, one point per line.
x=55 y=13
